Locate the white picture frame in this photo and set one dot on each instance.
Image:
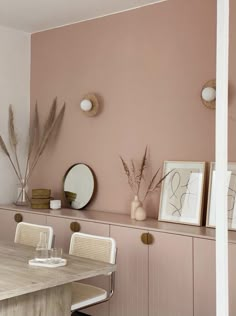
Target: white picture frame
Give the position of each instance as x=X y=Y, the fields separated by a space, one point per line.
x=231 y=193
x=182 y=191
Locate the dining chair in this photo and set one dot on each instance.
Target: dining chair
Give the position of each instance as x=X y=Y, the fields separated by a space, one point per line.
x=96 y=248
x=28 y=234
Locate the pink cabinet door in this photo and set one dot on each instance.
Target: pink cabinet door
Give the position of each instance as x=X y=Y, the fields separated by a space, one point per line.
x=62 y=231
x=170 y=275
x=131 y=290
x=205 y=280
x=8 y=223
x=232 y=279
x=33 y=218
x=204 y=277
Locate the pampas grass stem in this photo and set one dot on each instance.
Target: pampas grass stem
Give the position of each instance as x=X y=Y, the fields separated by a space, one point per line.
x=33 y=138
x=152 y=188
x=36 y=143
x=5 y=150
x=45 y=138
x=135 y=180
x=143 y=165
x=13 y=138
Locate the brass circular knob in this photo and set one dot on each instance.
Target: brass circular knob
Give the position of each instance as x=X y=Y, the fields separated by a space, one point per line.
x=18 y=218
x=147 y=238
x=75 y=227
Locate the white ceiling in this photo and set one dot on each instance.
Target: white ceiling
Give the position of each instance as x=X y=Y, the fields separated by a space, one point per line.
x=37 y=15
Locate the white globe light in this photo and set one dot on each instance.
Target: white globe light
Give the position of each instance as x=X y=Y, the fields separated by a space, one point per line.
x=86 y=105
x=209 y=94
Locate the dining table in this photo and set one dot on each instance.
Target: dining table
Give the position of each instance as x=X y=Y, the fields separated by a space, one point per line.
x=27 y=290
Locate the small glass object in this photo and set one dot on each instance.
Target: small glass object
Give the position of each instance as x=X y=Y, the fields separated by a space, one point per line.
x=56 y=255
x=42 y=254
x=22 y=196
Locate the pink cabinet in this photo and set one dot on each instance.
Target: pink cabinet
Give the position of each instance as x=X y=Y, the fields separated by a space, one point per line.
x=63 y=232
x=205 y=281
x=170 y=275
x=204 y=278
x=232 y=279
x=7 y=226
x=131 y=290
x=33 y=218
x=8 y=222
x=155 y=279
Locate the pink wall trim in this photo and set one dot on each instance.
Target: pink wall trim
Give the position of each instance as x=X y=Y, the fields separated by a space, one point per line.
x=148 y=66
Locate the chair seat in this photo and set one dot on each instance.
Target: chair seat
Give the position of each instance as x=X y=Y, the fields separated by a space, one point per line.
x=84 y=295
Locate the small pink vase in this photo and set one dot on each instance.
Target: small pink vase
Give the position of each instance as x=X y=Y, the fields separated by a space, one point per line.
x=134 y=204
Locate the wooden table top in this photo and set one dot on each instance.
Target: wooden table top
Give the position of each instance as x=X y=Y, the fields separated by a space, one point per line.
x=18 y=278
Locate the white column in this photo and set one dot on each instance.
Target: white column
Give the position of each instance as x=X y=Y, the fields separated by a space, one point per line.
x=222 y=302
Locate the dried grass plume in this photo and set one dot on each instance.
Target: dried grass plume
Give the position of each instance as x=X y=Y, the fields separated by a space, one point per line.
x=135 y=176
x=37 y=142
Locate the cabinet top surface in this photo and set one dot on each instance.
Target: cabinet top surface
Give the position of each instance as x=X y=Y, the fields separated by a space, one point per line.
x=18 y=278
x=151 y=224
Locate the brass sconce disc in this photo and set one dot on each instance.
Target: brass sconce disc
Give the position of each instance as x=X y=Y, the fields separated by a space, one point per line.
x=209 y=104
x=95 y=104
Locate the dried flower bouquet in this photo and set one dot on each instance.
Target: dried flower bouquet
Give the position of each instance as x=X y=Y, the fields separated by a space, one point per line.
x=136 y=175
x=37 y=142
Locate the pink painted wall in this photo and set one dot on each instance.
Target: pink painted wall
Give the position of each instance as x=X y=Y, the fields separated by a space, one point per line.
x=148 y=65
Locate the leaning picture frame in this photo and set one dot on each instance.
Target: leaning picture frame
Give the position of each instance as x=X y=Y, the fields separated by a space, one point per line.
x=182 y=192
x=231 y=197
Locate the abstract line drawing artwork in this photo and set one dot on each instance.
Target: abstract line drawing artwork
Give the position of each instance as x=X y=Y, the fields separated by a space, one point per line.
x=182 y=192
x=231 y=197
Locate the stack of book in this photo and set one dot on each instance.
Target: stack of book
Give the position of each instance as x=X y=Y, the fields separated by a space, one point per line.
x=41 y=198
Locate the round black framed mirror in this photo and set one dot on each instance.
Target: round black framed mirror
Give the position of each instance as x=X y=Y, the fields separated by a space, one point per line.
x=79 y=185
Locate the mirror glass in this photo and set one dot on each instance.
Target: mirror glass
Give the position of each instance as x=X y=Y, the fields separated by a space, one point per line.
x=79 y=185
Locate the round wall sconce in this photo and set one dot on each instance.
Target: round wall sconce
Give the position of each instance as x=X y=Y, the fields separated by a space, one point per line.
x=208 y=94
x=89 y=104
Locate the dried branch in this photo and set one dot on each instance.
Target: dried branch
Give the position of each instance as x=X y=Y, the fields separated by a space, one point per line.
x=45 y=139
x=58 y=121
x=33 y=137
x=36 y=144
x=47 y=127
x=162 y=179
x=152 y=188
x=51 y=117
x=135 y=179
x=5 y=150
x=128 y=173
x=141 y=170
x=11 y=128
x=3 y=146
x=134 y=176
x=133 y=168
x=151 y=184
x=13 y=138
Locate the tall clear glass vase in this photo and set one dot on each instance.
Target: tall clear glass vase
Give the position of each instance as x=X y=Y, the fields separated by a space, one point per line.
x=22 y=195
